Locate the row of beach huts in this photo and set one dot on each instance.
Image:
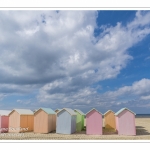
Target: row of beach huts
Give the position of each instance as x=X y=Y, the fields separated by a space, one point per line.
x=67 y=121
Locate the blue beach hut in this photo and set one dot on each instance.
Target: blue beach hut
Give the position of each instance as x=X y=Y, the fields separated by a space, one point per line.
x=66 y=121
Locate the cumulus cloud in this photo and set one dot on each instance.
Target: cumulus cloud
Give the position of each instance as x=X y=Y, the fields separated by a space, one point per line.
x=57 y=53
x=138 y=88
x=125 y=96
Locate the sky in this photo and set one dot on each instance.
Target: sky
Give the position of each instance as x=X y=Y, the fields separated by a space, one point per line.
x=75 y=59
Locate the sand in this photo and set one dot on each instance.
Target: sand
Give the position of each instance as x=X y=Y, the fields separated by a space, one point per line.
x=142 y=133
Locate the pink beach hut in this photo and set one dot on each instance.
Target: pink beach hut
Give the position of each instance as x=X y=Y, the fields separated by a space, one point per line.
x=94 y=122
x=4 y=120
x=125 y=122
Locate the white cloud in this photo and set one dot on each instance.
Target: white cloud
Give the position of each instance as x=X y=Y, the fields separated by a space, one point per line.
x=138 y=88
x=126 y=95
x=145 y=97
x=59 y=53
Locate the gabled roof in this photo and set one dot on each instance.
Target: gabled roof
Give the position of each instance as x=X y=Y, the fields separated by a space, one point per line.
x=70 y=111
x=121 y=110
x=80 y=112
x=47 y=110
x=58 y=110
x=108 y=112
x=4 y=112
x=23 y=111
x=95 y=110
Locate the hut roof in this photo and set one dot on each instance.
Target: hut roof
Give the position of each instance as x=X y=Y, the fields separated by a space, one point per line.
x=70 y=111
x=95 y=110
x=4 y=112
x=58 y=110
x=80 y=112
x=108 y=112
x=47 y=110
x=23 y=111
x=121 y=110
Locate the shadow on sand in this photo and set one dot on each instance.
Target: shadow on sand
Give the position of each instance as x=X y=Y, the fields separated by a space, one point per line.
x=141 y=131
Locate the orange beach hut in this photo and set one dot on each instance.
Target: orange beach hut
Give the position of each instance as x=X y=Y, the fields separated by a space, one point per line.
x=21 y=120
x=110 y=120
x=44 y=120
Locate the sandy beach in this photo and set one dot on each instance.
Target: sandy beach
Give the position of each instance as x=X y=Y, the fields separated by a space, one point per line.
x=142 y=133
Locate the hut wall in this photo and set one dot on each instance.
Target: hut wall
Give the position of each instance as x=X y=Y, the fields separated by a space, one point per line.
x=41 y=122
x=82 y=122
x=73 y=124
x=117 y=126
x=0 y=124
x=4 y=123
x=0 y=121
x=50 y=124
x=14 y=121
x=126 y=123
x=78 y=122
x=30 y=122
x=53 y=122
x=94 y=123
x=63 y=122
x=26 y=121
x=23 y=121
x=110 y=120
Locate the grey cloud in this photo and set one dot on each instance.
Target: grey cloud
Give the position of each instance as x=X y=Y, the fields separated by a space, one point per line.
x=59 y=57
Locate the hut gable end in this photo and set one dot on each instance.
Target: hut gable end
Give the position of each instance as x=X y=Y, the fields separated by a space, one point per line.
x=46 y=110
x=70 y=111
x=23 y=111
x=79 y=111
x=122 y=110
x=109 y=111
x=93 y=110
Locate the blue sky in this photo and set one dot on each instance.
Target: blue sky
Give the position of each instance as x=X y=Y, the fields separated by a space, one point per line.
x=75 y=59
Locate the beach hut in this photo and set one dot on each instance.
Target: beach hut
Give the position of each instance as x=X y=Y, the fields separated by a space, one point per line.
x=66 y=121
x=110 y=120
x=94 y=122
x=4 y=120
x=21 y=120
x=44 y=120
x=125 y=122
x=57 y=110
x=79 y=120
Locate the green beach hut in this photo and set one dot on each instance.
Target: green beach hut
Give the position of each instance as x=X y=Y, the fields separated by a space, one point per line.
x=79 y=120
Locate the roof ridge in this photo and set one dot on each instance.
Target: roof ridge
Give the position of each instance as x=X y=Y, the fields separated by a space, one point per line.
x=109 y=111
x=79 y=111
x=122 y=109
x=53 y=112
x=67 y=109
x=94 y=109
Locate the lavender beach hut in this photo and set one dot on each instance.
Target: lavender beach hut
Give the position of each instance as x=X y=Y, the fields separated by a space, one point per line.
x=125 y=122
x=4 y=120
x=94 y=122
x=66 y=121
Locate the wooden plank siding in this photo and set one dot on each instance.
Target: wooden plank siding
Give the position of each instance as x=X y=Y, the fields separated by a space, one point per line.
x=126 y=123
x=63 y=123
x=110 y=120
x=79 y=122
x=14 y=121
x=44 y=122
x=41 y=122
x=94 y=123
